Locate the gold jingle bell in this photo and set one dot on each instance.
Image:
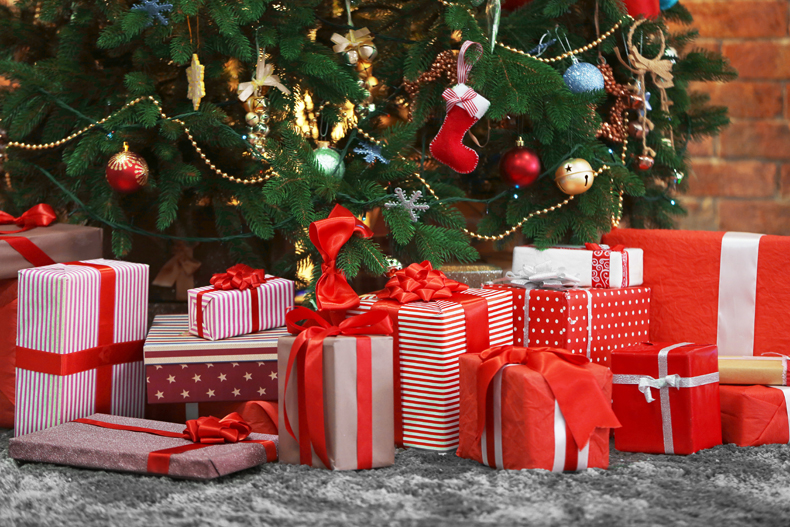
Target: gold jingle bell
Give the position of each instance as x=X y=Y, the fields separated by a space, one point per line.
x=574 y=176
x=256 y=104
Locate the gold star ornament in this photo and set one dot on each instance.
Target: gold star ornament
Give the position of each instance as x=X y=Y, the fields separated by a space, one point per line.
x=197 y=88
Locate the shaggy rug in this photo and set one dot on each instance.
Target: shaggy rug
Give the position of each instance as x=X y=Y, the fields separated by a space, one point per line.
x=725 y=485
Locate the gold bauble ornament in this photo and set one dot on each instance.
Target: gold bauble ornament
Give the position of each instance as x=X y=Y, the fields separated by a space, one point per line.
x=574 y=176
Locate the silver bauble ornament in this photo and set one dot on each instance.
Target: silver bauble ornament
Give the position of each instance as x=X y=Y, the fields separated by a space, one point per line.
x=583 y=77
x=368 y=52
x=252 y=118
x=351 y=56
x=261 y=129
x=328 y=160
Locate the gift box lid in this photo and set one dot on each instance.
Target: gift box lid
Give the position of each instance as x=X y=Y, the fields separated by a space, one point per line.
x=685 y=359
x=169 y=342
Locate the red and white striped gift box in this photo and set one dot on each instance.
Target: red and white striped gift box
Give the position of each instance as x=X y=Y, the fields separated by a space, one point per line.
x=591 y=322
x=80 y=331
x=228 y=313
x=431 y=337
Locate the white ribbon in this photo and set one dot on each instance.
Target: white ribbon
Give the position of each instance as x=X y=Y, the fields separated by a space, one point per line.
x=589 y=324
x=737 y=293
x=352 y=40
x=662 y=384
x=786 y=392
x=540 y=276
x=263 y=77
x=560 y=435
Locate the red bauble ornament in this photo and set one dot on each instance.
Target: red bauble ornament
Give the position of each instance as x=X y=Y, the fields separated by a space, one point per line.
x=646 y=8
x=520 y=166
x=510 y=5
x=126 y=171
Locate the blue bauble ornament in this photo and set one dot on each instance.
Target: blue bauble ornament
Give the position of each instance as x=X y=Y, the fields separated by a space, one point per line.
x=583 y=77
x=666 y=4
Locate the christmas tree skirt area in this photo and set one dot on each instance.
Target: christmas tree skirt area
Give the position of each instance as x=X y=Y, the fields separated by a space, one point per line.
x=726 y=484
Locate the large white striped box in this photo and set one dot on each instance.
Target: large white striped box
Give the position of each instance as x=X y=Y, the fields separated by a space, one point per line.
x=432 y=337
x=229 y=313
x=59 y=313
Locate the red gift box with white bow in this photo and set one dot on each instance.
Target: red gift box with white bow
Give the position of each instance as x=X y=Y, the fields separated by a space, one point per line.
x=667 y=398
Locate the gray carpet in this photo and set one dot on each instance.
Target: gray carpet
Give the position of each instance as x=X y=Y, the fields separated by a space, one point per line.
x=726 y=485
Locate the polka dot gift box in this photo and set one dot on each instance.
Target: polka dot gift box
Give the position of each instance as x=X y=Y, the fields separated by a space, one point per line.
x=590 y=322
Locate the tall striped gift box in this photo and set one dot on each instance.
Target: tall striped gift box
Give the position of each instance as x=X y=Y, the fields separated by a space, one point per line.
x=429 y=339
x=183 y=368
x=80 y=331
x=216 y=314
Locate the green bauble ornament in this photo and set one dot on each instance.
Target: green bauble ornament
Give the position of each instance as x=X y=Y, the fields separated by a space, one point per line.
x=328 y=160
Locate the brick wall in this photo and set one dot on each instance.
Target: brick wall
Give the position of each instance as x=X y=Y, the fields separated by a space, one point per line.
x=741 y=180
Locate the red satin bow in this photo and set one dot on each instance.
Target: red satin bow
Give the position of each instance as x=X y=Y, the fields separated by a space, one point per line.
x=466 y=100
x=332 y=291
x=308 y=353
x=420 y=282
x=39 y=215
x=212 y=431
x=597 y=247
x=240 y=276
x=575 y=388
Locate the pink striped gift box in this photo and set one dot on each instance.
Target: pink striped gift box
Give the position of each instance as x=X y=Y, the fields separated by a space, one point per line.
x=80 y=331
x=183 y=368
x=228 y=313
x=431 y=337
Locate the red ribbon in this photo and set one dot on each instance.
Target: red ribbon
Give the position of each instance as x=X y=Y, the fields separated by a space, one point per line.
x=421 y=282
x=574 y=387
x=332 y=291
x=203 y=432
x=40 y=215
x=307 y=352
x=601 y=276
x=240 y=277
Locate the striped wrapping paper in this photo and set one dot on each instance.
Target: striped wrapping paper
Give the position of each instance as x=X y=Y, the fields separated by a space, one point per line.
x=229 y=313
x=183 y=368
x=432 y=337
x=58 y=312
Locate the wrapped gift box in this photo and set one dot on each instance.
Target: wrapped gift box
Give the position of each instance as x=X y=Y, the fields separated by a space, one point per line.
x=754 y=415
x=590 y=266
x=182 y=368
x=732 y=285
x=357 y=405
x=61 y=243
x=430 y=337
x=591 y=322
x=228 y=313
x=753 y=370
x=80 y=342
x=524 y=422
x=86 y=445
x=667 y=398
x=261 y=415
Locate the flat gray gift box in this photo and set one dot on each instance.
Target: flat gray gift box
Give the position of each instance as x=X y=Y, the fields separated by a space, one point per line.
x=90 y=446
x=340 y=403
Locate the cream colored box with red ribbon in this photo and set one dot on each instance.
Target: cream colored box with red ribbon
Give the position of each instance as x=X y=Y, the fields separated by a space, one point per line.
x=592 y=265
x=731 y=289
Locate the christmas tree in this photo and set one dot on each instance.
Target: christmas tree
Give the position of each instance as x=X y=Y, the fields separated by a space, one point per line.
x=223 y=107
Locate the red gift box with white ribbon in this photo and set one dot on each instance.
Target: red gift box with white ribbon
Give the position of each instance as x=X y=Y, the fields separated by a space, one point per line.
x=589 y=322
x=667 y=398
x=535 y=408
x=733 y=286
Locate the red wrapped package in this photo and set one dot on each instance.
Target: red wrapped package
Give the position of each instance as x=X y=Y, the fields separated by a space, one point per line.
x=8 y=304
x=732 y=285
x=755 y=415
x=535 y=408
x=590 y=322
x=667 y=398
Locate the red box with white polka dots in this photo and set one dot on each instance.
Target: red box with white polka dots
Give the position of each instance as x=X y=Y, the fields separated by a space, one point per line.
x=592 y=322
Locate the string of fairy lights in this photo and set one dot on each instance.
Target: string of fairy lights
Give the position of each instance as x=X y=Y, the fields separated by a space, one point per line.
x=271 y=173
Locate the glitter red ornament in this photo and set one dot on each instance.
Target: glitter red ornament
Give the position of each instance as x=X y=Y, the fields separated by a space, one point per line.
x=126 y=171
x=510 y=5
x=520 y=166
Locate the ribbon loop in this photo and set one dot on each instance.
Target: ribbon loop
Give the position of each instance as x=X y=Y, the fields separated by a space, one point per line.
x=240 y=276
x=464 y=66
x=465 y=100
x=263 y=77
x=420 y=283
x=647 y=382
x=40 y=215
x=212 y=431
x=332 y=290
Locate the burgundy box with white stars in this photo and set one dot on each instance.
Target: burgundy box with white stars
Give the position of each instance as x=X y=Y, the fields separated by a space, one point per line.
x=182 y=368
